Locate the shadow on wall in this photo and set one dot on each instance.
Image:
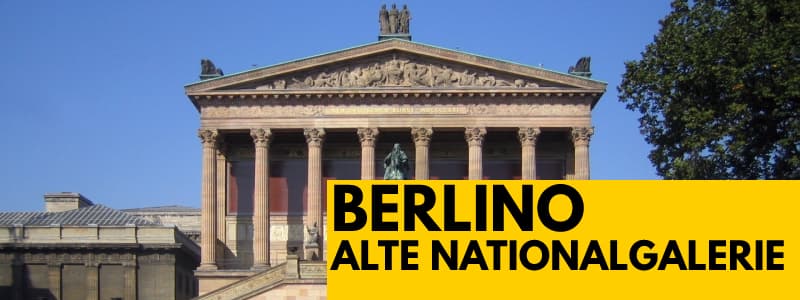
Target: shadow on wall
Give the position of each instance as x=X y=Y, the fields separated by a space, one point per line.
x=24 y=282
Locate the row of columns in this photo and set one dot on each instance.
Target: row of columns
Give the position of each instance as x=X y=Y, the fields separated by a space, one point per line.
x=315 y=137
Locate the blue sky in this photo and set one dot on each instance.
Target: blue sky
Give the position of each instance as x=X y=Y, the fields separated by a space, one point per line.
x=93 y=100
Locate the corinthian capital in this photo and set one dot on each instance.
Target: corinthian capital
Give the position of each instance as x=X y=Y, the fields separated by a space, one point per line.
x=368 y=136
x=528 y=135
x=422 y=135
x=261 y=136
x=582 y=135
x=208 y=137
x=314 y=136
x=475 y=135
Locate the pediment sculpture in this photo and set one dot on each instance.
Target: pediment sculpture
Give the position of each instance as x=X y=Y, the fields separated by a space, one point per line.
x=397 y=72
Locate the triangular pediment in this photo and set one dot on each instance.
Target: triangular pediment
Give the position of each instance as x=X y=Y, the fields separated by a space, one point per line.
x=397 y=64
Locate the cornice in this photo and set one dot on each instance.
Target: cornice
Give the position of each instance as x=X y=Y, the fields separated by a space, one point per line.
x=234 y=95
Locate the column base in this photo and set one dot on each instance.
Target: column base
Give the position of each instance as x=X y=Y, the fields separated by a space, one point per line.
x=260 y=267
x=207 y=267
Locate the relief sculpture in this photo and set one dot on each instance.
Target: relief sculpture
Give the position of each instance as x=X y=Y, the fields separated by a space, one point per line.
x=396 y=72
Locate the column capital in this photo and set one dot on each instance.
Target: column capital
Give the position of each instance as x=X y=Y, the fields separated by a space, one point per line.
x=422 y=135
x=208 y=137
x=368 y=136
x=261 y=136
x=314 y=136
x=475 y=135
x=528 y=135
x=582 y=135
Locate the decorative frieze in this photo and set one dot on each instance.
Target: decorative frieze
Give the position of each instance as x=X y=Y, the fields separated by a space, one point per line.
x=398 y=71
x=312 y=270
x=233 y=109
x=71 y=258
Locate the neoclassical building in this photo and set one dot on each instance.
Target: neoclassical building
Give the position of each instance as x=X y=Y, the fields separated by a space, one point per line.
x=272 y=136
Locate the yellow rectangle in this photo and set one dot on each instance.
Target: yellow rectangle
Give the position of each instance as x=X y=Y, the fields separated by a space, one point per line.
x=689 y=239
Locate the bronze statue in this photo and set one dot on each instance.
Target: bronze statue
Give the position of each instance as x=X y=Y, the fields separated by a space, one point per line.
x=396 y=165
x=207 y=68
x=582 y=67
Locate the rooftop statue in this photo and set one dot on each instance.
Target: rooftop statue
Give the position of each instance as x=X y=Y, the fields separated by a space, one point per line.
x=582 y=67
x=383 y=19
x=394 y=21
x=396 y=164
x=208 y=70
x=405 y=20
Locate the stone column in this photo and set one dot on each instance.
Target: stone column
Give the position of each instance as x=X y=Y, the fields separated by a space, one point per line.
x=422 y=140
x=261 y=139
x=92 y=278
x=368 y=137
x=314 y=137
x=222 y=201
x=570 y=171
x=54 y=278
x=129 y=268
x=474 y=137
x=527 y=137
x=208 y=231
x=580 y=138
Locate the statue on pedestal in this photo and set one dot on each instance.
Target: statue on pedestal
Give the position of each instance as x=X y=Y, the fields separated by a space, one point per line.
x=313 y=236
x=396 y=164
x=582 y=67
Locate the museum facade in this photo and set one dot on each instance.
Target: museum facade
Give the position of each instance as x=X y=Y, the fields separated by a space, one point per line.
x=271 y=137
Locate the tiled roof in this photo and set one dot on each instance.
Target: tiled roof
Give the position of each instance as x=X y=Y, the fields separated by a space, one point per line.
x=168 y=208
x=95 y=214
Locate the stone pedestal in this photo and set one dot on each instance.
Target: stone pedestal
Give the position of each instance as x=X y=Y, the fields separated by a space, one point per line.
x=311 y=252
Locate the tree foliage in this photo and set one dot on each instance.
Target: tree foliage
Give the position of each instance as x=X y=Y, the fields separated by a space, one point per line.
x=718 y=90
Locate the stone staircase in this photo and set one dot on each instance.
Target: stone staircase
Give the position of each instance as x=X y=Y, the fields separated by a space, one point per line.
x=293 y=271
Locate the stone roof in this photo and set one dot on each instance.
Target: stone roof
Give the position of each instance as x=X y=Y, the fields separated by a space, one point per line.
x=168 y=208
x=91 y=215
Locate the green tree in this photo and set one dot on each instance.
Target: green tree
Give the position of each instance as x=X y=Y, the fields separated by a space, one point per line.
x=718 y=90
